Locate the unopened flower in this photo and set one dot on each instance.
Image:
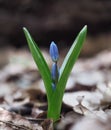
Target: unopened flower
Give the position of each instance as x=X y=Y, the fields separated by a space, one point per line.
x=54 y=52
x=55 y=73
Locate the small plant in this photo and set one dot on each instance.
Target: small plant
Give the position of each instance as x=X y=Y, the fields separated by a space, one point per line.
x=56 y=79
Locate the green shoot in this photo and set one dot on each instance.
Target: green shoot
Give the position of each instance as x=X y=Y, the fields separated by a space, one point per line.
x=55 y=81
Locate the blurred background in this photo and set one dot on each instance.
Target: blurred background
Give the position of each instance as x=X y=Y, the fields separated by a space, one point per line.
x=59 y=20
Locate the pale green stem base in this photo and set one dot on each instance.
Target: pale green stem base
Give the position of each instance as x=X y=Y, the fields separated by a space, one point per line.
x=54 y=106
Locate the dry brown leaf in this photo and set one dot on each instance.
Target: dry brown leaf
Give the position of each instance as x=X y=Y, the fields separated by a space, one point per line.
x=105 y=90
x=98 y=121
x=79 y=108
x=90 y=101
x=47 y=124
x=68 y=120
x=12 y=121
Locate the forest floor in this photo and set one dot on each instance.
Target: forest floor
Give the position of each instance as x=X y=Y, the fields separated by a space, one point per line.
x=23 y=103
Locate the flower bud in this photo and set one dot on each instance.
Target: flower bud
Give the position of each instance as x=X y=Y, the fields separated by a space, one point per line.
x=54 y=52
x=55 y=73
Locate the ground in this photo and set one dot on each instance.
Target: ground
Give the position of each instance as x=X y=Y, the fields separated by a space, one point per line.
x=23 y=102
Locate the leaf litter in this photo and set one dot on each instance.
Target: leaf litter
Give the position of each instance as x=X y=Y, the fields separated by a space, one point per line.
x=86 y=102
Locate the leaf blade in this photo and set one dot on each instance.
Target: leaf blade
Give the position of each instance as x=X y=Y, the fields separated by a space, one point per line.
x=40 y=62
x=70 y=59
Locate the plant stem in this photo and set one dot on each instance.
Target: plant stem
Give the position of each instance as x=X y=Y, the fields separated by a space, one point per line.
x=54 y=106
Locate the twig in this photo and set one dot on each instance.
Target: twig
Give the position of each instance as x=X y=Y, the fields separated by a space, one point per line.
x=17 y=127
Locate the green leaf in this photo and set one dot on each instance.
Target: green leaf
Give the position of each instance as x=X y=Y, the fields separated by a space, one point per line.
x=54 y=107
x=70 y=59
x=40 y=62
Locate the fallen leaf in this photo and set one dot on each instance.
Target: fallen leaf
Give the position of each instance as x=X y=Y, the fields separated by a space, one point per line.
x=13 y=121
x=91 y=100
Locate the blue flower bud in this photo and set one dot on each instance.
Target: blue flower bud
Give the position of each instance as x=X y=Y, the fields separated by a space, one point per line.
x=54 y=52
x=55 y=73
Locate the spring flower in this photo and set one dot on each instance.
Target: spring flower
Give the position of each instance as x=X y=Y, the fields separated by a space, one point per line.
x=54 y=52
x=54 y=82
x=55 y=73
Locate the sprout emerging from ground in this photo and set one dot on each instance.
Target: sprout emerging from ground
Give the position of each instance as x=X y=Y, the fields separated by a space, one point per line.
x=56 y=79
